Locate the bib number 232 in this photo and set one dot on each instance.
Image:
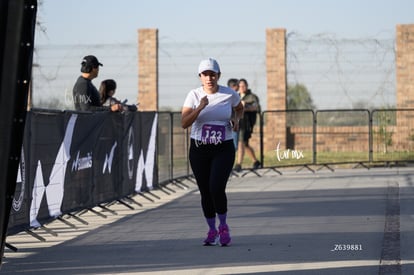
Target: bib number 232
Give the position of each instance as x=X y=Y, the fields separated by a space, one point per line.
x=213 y=134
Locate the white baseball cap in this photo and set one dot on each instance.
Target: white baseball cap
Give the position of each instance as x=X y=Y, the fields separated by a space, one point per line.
x=208 y=65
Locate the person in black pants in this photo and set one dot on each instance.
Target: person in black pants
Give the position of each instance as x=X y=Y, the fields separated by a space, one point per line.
x=208 y=110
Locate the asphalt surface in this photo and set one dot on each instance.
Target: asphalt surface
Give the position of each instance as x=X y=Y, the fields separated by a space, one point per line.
x=350 y=221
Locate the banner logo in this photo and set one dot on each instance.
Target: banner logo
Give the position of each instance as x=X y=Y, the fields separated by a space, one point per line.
x=148 y=165
x=109 y=159
x=130 y=153
x=55 y=187
x=82 y=163
x=21 y=178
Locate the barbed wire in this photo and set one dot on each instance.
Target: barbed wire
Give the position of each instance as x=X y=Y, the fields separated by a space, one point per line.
x=343 y=73
x=338 y=72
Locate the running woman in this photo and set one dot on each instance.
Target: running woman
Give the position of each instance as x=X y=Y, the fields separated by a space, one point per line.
x=208 y=110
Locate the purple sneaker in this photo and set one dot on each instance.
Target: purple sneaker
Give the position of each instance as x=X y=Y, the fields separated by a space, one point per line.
x=224 y=233
x=212 y=238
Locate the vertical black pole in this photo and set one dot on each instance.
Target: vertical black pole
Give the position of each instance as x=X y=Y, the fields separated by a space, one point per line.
x=315 y=122
x=17 y=29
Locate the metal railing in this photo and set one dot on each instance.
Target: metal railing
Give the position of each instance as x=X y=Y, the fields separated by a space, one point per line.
x=305 y=138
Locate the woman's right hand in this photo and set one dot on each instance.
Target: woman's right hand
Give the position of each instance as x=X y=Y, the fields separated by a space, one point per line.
x=203 y=103
x=189 y=115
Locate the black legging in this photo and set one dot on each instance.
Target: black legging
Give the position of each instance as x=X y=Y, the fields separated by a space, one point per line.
x=212 y=165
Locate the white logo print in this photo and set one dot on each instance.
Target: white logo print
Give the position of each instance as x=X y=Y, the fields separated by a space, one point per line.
x=108 y=159
x=147 y=166
x=82 y=163
x=130 y=153
x=21 y=178
x=55 y=188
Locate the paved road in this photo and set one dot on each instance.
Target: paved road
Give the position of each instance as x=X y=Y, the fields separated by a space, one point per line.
x=351 y=221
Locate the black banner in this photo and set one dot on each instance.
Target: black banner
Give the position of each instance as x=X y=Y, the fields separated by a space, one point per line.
x=73 y=161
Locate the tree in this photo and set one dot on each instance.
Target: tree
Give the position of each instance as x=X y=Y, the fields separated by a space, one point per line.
x=298 y=98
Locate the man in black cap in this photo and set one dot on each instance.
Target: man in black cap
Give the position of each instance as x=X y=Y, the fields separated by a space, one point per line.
x=85 y=95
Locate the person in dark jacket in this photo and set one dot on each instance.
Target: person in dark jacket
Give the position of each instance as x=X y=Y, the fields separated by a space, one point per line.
x=251 y=105
x=85 y=95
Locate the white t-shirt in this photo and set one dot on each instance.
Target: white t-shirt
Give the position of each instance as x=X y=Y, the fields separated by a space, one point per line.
x=213 y=123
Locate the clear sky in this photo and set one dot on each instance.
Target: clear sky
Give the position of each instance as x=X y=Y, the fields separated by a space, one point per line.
x=75 y=23
x=112 y=21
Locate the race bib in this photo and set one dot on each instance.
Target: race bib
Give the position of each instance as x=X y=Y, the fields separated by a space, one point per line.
x=213 y=134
